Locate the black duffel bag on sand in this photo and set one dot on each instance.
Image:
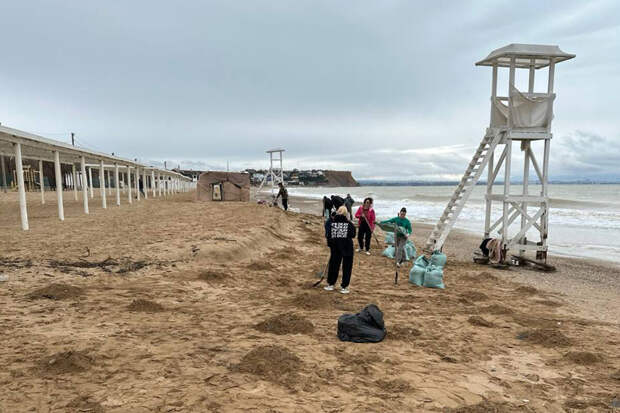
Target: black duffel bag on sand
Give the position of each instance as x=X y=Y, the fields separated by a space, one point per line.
x=364 y=327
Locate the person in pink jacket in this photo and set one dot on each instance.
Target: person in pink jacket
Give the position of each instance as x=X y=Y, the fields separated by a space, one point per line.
x=366 y=216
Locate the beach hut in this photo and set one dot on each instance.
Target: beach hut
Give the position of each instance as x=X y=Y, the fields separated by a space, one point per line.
x=223 y=186
x=525 y=117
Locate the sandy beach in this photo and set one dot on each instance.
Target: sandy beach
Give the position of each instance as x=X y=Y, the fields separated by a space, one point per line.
x=173 y=305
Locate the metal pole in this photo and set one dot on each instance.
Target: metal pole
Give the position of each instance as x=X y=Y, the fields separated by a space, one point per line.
x=90 y=182
x=75 y=195
x=129 y=185
x=144 y=185
x=137 y=183
x=153 y=182
x=116 y=185
x=61 y=210
x=104 y=203
x=42 y=181
x=19 y=170
x=84 y=186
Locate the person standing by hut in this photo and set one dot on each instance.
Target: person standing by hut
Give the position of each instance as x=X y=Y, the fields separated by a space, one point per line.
x=284 y=194
x=340 y=232
x=366 y=216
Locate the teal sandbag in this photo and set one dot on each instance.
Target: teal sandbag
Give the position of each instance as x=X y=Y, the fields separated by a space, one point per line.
x=416 y=275
x=389 y=238
x=388 y=252
x=433 y=277
x=410 y=251
x=391 y=227
x=438 y=259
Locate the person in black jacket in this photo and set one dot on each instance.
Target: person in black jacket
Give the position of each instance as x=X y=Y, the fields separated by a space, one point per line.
x=340 y=232
x=348 y=202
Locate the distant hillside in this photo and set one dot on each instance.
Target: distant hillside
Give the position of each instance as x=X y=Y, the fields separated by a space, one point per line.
x=340 y=178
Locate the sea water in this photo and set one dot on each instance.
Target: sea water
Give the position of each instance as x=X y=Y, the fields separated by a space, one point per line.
x=584 y=220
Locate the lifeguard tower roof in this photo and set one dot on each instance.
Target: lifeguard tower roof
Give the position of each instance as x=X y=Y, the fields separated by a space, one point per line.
x=275 y=150
x=523 y=54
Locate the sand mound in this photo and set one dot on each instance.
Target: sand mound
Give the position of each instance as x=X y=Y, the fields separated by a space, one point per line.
x=272 y=363
x=83 y=404
x=260 y=266
x=615 y=375
x=403 y=333
x=286 y=253
x=474 y=296
x=584 y=358
x=56 y=291
x=496 y=309
x=210 y=275
x=285 y=324
x=65 y=362
x=489 y=407
x=479 y=321
x=309 y=301
x=526 y=290
x=545 y=337
x=145 y=306
x=584 y=404
x=549 y=303
x=393 y=386
x=480 y=277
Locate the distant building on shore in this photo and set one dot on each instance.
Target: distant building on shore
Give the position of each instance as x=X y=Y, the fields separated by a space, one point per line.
x=311 y=177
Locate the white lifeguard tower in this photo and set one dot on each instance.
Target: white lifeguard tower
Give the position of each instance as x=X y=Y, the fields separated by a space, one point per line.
x=521 y=116
x=276 y=174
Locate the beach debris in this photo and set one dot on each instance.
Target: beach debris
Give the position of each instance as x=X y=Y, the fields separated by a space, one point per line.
x=4 y=277
x=479 y=321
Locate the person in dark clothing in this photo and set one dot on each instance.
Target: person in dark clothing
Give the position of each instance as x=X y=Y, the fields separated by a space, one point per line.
x=337 y=201
x=327 y=207
x=284 y=194
x=340 y=232
x=141 y=186
x=348 y=202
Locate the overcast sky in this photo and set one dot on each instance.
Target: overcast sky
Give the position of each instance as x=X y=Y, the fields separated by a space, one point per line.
x=387 y=89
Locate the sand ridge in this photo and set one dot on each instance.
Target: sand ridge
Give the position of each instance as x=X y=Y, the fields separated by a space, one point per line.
x=220 y=270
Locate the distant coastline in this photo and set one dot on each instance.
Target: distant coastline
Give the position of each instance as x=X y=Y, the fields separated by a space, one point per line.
x=372 y=182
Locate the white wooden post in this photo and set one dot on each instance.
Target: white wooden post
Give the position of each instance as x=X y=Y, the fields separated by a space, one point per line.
x=526 y=182
x=144 y=184
x=104 y=203
x=159 y=182
x=84 y=185
x=116 y=185
x=90 y=182
x=75 y=196
x=129 y=185
x=153 y=183
x=530 y=87
x=3 y=167
x=137 y=183
x=109 y=182
x=61 y=210
x=19 y=170
x=42 y=181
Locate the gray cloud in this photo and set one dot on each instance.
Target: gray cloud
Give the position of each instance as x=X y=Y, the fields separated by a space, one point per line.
x=340 y=85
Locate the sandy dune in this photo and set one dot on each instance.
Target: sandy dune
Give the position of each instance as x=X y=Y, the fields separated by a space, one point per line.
x=182 y=306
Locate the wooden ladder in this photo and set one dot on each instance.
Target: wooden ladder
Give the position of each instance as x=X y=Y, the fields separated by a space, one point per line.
x=463 y=190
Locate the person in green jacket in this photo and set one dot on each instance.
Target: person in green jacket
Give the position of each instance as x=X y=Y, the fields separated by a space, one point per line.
x=400 y=238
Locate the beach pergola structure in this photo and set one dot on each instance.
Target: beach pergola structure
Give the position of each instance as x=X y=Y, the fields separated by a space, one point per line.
x=110 y=171
x=275 y=173
x=524 y=117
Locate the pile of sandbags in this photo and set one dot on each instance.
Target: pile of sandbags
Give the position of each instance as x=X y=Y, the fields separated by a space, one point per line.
x=428 y=272
x=410 y=251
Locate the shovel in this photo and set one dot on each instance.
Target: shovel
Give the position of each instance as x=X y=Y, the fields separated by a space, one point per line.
x=321 y=274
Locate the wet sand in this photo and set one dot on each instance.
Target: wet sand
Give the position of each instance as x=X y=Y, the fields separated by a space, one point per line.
x=183 y=306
